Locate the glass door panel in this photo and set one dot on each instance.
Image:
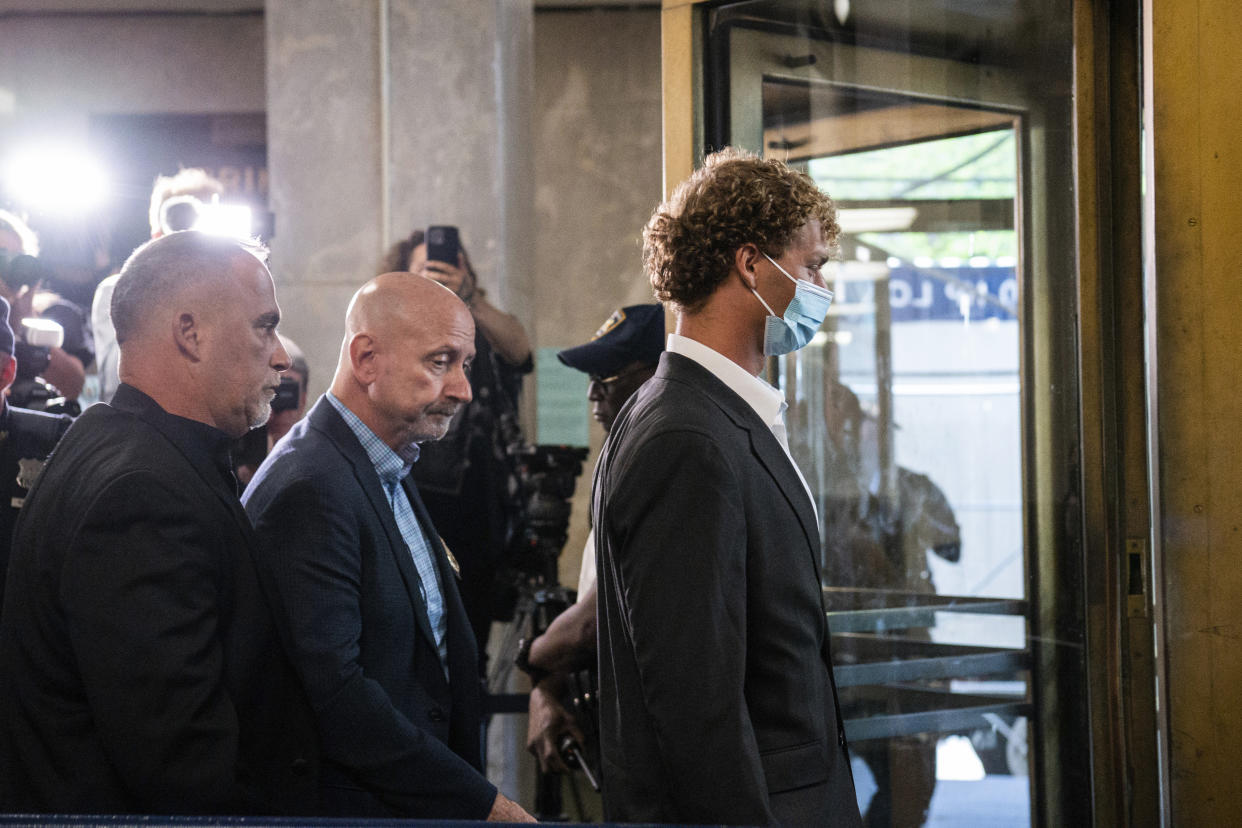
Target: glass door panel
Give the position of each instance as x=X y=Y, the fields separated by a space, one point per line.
x=925 y=414
x=921 y=470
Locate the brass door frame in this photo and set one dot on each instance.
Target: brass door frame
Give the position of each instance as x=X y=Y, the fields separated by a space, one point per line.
x=1191 y=115
x=681 y=50
x=1114 y=413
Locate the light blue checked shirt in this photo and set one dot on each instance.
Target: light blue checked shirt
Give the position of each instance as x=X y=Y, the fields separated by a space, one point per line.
x=392 y=469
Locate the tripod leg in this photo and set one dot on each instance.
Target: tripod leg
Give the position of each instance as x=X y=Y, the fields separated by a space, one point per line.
x=579 y=806
x=548 y=800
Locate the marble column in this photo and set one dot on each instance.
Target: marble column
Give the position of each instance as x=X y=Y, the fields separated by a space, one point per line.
x=388 y=115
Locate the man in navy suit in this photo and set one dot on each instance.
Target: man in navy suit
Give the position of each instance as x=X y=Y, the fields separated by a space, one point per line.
x=716 y=692
x=366 y=594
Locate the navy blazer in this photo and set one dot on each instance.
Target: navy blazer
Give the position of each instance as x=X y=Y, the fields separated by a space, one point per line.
x=716 y=692
x=398 y=737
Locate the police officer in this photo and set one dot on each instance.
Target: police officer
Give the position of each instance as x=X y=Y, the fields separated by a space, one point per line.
x=26 y=439
x=621 y=356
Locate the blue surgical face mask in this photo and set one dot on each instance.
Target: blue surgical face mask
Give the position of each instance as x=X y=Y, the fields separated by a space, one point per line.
x=806 y=312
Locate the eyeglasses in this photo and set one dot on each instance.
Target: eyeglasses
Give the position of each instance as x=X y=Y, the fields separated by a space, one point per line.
x=604 y=384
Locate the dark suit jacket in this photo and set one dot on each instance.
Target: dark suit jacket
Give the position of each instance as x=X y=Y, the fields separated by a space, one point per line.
x=398 y=738
x=717 y=698
x=140 y=670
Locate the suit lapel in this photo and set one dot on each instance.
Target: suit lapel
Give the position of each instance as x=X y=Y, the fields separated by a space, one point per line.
x=763 y=444
x=768 y=451
x=324 y=417
x=443 y=568
x=773 y=458
x=462 y=652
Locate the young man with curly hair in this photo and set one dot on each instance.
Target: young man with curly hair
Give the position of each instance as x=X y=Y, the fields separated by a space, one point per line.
x=718 y=703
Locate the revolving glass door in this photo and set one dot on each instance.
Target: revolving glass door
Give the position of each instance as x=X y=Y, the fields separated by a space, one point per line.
x=933 y=415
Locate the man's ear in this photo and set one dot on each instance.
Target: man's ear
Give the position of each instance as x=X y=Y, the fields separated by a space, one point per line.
x=362 y=358
x=9 y=371
x=187 y=333
x=745 y=258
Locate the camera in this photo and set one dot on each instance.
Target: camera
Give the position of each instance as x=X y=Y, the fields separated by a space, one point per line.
x=32 y=350
x=22 y=271
x=546 y=477
x=287 y=396
x=33 y=342
x=235 y=219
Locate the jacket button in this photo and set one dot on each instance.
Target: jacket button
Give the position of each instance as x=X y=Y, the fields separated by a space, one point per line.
x=300 y=767
x=435 y=714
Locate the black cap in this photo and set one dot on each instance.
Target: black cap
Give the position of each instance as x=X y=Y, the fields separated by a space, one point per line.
x=631 y=334
x=6 y=332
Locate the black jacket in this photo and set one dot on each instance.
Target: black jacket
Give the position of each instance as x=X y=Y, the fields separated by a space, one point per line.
x=398 y=737
x=140 y=670
x=716 y=692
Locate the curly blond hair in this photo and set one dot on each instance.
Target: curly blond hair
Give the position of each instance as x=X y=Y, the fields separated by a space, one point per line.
x=734 y=198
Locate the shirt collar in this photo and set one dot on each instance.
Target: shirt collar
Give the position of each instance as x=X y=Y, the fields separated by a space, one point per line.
x=389 y=465
x=767 y=401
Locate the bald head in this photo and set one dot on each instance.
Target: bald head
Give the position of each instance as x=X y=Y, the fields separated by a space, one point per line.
x=404 y=362
x=392 y=302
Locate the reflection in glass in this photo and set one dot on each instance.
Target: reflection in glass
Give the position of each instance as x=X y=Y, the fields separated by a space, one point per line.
x=906 y=413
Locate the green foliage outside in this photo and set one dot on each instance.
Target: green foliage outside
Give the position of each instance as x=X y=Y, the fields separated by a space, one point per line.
x=979 y=166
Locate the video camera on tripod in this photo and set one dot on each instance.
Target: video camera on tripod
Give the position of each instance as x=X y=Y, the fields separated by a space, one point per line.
x=546 y=476
x=527 y=588
x=529 y=591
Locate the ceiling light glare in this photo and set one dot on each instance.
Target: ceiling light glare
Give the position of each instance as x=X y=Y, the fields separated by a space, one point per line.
x=876 y=219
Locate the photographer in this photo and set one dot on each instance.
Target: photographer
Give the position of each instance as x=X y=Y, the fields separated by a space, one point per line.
x=288 y=406
x=621 y=356
x=26 y=439
x=22 y=287
x=467 y=479
x=173 y=207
